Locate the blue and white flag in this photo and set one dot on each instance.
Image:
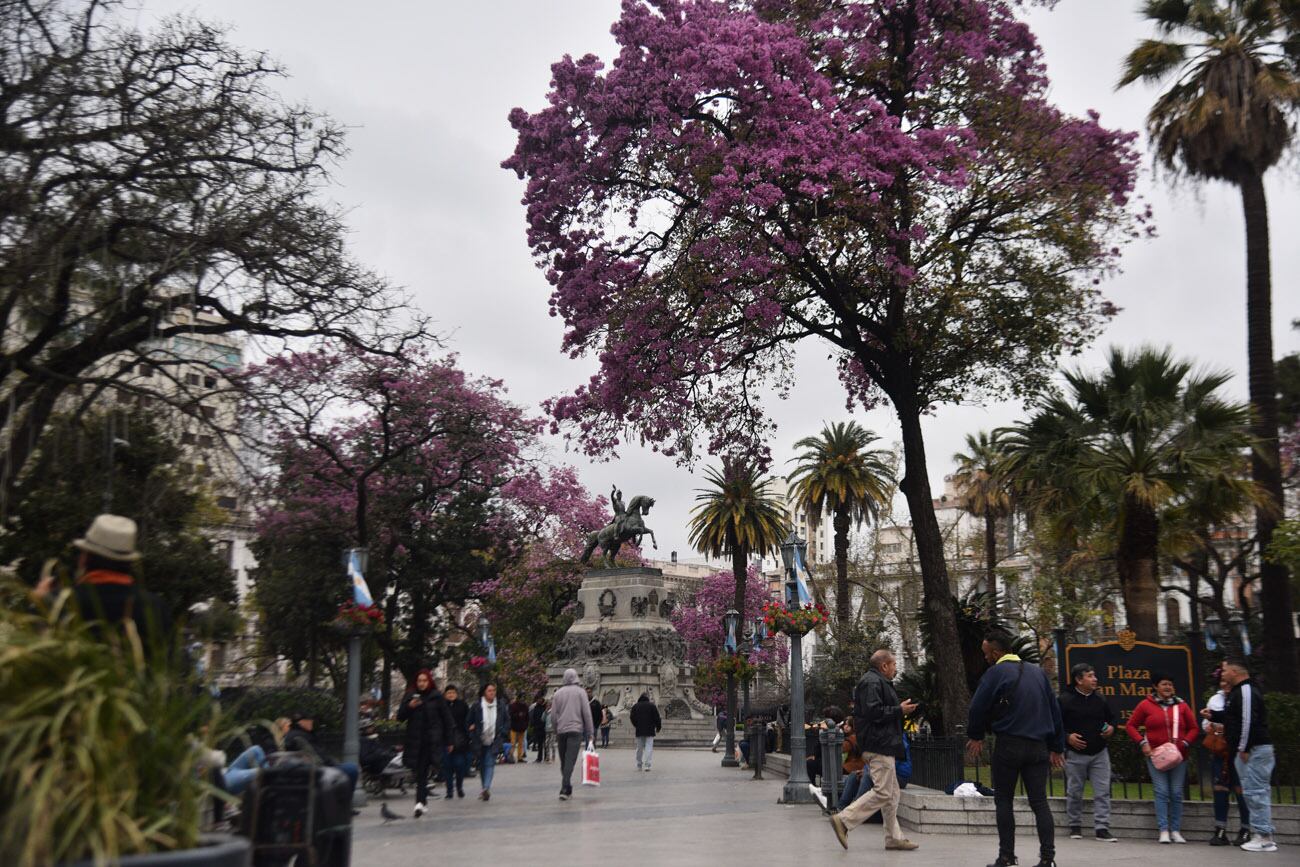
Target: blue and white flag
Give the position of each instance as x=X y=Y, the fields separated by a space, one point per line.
x=730 y=641
x=805 y=596
x=360 y=592
x=492 y=651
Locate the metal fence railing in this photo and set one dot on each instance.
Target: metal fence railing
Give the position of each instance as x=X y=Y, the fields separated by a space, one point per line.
x=939 y=762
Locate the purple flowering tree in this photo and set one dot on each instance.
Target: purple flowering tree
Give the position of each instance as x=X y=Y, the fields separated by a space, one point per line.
x=888 y=179
x=699 y=621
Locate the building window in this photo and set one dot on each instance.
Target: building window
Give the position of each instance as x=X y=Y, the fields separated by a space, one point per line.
x=206 y=441
x=188 y=439
x=1173 y=615
x=209 y=382
x=228 y=503
x=193 y=379
x=209 y=412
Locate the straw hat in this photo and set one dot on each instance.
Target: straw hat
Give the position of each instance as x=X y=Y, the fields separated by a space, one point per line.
x=110 y=536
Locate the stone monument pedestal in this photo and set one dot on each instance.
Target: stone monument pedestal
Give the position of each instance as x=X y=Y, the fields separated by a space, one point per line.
x=622 y=645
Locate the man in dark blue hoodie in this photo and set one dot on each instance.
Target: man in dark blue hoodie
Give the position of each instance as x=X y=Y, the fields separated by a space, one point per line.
x=1015 y=701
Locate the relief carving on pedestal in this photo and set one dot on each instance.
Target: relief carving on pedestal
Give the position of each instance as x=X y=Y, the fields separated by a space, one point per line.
x=607 y=604
x=640 y=606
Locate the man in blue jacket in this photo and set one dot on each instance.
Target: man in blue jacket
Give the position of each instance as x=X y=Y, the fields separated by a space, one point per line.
x=1015 y=701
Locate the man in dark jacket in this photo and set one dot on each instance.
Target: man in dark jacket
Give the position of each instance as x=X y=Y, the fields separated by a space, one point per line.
x=1015 y=699
x=1089 y=722
x=878 y=722
x=646 y=723
x=459 y=757
x=1245 y=723
x=518 y=729
x=301 y=739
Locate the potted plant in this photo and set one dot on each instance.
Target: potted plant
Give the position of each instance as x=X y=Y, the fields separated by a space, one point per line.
x=794 y=620
x=99 y=750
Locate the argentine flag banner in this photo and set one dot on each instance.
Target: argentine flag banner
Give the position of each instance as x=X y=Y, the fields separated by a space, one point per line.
x=360 y=592
x=800 y=570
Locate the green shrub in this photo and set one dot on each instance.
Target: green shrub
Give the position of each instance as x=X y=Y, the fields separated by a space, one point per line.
x=97 y=759
x=1284 y=731
x=253 y=705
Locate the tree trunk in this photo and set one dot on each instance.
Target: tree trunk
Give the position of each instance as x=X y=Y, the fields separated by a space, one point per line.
x=843 y=602
x=1283 y=665
x=991 y=557
x=950 y=670
x=1136 y=563
x=740 y=571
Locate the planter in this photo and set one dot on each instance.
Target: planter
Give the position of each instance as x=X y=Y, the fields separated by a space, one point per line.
x=214 y=850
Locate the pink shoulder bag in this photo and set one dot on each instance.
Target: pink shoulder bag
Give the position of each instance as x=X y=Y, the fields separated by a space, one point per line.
x=1167 y=756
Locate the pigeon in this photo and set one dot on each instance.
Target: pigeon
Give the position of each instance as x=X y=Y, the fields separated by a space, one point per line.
x=389 y=815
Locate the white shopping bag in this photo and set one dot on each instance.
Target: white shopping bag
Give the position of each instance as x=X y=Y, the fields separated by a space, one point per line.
x=590 y=767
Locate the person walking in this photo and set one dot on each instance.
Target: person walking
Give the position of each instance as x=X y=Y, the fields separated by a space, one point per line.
x=518 y=729
x=1245 y=724
x=548 y=723
x=1015 y=701
x=489 y=727
x=537 y=725
x=606 y=720
x=573 y=727
x=1089 y=723
x=597 y=712
x=429 y=729
x=722 y=721
x=879 y=733
x=1159 y=719
x=459 y=757
x=1222 y=767
x=646 y=723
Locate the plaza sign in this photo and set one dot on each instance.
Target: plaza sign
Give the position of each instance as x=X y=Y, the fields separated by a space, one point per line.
x=1124 y=669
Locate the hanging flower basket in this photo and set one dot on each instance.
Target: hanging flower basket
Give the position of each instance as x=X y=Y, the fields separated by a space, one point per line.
x=479 y=663
x=794 y=621
x=736 y=665
x=352 y=619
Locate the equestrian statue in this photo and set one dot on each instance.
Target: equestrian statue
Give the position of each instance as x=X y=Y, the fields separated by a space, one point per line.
x=628 y=526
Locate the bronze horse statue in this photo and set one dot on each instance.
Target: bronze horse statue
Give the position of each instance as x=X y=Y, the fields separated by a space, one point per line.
x=627 y=526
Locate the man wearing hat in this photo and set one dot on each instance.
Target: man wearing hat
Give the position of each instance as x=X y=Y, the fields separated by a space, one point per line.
x=106 y=590
x=1089 y=722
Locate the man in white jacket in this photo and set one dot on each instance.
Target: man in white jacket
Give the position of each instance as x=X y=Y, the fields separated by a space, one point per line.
x=573 y=726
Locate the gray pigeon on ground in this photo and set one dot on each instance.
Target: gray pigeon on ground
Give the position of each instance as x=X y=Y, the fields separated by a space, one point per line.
x=389 y=815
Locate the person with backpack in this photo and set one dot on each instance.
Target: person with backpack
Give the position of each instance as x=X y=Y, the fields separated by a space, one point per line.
x=1016 y=702
x=1164 y=726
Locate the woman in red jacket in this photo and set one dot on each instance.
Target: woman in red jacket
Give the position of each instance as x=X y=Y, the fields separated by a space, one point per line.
x=1163 y=718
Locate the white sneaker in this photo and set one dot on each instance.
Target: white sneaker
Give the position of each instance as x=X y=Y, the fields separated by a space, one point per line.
x=419 y=809
x=1164 y=837
x=1177 y=837
x=1259 y=843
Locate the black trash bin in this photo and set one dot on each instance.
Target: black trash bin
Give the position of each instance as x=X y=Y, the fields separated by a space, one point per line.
x=296 y=808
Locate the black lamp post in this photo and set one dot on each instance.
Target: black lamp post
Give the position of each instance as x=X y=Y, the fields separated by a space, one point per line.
x=757 y=634
x=796 y=787
x=730 y=645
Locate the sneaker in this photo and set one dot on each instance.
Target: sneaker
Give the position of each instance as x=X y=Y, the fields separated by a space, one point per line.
x=564 y=796
x=487 y=794
x=1076 y=832
x=1046 y=862
x=419 y=809
x=460 y=793
x=1164 y=837
x=841 y=833
x=1005 y=862
x=1177 y=837
x=1104 y=835
x=1259 y=843
x=647 y=769
x=1243 y=836
x=1220 y=838
x=901 y=845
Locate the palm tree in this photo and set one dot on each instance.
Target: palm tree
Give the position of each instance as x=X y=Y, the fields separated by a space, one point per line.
x=986 y=493
x=736 y=517
x=1141 y=437
x=839 y=470
x=1227 y=116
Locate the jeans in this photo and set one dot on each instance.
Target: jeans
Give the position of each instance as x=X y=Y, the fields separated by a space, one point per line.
x=1078 y=770
x=604 y=736
x=1255 y=776
x=644 y=745
x=487 y=765
x=1024 y=759
x=353 y=772
x=883 y=796
x=569 y=744
x=1169 y=795
x=853 y=788
x=1224 y=773
x=242 y=770
x=454 y=771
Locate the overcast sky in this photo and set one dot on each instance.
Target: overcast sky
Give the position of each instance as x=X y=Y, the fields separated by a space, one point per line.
x=426 y=87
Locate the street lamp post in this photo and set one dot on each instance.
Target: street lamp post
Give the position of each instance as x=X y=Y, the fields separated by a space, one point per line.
x=358 y=559
x=757 y=635
x=796 y=789
x=730 y=644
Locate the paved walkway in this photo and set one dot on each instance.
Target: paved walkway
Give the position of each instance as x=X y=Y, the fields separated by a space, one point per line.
x=687 y=811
